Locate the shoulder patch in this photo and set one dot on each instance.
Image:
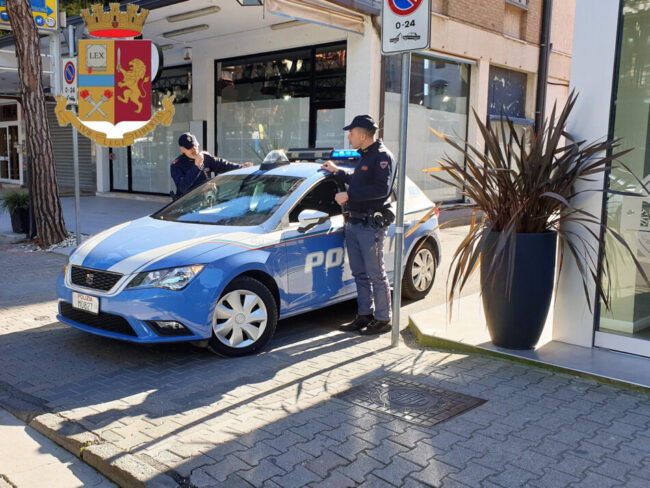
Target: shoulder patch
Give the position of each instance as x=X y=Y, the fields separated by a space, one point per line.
x=364 y=168
x=383 y=164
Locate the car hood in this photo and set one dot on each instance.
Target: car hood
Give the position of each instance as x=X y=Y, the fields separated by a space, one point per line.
x=148 y=243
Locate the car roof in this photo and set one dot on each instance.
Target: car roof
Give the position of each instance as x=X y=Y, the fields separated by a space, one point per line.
x=299 y=170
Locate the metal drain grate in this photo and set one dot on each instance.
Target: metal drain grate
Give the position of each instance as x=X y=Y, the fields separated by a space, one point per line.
x=409 y=400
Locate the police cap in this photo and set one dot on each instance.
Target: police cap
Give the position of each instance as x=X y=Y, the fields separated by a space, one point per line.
x=363 y=121
x=187 y=140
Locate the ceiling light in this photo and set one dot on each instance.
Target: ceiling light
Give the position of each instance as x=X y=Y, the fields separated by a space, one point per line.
x=286 y=25
x=167 y=47
x=193 y=14
x=186 y=30
x=249 y=3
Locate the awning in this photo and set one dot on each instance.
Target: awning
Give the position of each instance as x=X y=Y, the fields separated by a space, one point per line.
x=319 y=12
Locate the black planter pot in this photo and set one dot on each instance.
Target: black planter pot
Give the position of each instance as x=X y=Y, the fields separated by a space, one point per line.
x=20 y=221
x=517 y=321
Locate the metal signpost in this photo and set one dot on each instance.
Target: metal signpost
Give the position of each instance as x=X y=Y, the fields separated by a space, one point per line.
x=69 y=67
x=405 y=27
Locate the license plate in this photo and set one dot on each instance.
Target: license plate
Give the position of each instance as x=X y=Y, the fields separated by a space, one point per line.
x=85 y=302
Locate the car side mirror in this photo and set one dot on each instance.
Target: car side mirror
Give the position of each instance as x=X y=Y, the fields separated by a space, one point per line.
x=309 y=218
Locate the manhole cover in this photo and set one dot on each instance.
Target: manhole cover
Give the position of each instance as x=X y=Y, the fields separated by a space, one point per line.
x=409 y=400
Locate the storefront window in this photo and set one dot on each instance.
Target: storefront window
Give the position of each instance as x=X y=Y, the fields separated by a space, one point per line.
x=507 y=99
x=630 y=216
x=439 y=95
x=147 y=161
x=280 y=100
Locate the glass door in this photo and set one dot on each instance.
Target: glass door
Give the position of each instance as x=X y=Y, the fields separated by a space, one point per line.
x=4 y=153
x=9 y=155
x=626 y=327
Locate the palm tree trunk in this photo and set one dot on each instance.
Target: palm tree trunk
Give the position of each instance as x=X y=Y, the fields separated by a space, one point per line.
x=50 y=226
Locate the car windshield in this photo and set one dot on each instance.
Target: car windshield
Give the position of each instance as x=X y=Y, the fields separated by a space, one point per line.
x=232 y=200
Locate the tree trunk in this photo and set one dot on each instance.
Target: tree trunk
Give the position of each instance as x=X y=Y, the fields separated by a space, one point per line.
x=50 y=226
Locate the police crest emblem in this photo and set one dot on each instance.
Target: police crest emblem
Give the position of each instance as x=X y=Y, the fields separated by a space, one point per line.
x=115 y=76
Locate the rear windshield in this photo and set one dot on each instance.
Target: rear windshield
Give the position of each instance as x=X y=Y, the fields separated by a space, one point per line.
x=232 y=200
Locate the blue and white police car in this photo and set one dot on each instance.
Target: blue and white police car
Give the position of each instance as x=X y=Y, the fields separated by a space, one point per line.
x=229 y=259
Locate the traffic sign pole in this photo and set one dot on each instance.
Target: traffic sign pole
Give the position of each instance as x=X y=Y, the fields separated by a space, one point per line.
x=75 y=154
x=399 y=219
x=405 y=27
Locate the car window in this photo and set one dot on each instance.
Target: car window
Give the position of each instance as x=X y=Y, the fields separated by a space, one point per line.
x=232 y=200
x=320 y=198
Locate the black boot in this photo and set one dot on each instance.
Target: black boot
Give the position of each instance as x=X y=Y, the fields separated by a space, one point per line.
x=376 y=327
x=358 y=322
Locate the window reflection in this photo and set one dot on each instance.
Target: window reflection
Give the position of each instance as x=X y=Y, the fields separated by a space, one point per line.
x=439 y=95
x=279 y=100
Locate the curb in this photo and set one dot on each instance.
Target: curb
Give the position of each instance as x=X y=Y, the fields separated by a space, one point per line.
x=123 y=468
x=459 y=347
x=11 y=238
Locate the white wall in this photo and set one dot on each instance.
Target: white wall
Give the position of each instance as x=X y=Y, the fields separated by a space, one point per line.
x=363 y=75
x=594 y=45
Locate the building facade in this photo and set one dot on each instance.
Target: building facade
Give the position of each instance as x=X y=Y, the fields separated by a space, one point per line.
x=285 y=74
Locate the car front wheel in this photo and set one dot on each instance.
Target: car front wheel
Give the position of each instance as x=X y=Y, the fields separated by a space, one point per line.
x=420 y=271
x=244 y=319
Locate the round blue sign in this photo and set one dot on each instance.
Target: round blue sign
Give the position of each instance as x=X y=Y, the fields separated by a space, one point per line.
x=69 y=72
x=4 y=16
x=404 y=7
x=40 y=21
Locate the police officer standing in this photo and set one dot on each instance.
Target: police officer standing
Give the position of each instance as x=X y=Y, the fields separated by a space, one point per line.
x=369 y=215
x=192 y=167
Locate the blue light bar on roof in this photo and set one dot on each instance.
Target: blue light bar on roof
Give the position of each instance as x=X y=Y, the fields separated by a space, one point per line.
x=345 y=154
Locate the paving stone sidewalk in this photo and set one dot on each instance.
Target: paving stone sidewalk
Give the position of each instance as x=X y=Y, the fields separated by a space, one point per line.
x=177 y=416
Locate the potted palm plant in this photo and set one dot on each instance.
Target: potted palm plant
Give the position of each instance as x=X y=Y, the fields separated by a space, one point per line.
x=16 y=202
x=524 y=186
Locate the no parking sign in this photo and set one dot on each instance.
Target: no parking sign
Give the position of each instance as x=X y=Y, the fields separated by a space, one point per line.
x=405 y=25
x=69 y=69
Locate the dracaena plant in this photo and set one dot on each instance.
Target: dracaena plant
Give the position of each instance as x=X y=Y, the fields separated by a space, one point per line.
x=526 y=184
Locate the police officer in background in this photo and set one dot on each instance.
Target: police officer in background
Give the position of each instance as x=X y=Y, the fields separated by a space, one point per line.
x=192 y=167
x=369 y=215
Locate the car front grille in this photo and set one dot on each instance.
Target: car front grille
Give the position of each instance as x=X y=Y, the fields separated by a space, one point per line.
x=101 y=321
x=94 y=278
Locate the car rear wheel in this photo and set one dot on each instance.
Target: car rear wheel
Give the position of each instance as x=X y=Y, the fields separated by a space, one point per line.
x=244 y=319
x=420 y=271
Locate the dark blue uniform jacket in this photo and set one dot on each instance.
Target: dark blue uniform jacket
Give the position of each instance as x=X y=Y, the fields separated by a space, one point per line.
x=370 y=184
x=187 y=176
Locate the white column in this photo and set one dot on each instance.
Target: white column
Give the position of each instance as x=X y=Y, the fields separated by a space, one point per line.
x=103 y=169
x=478 y=96
x=594 y=50
x=363 y=74
x=55 y=62
x=203 y=93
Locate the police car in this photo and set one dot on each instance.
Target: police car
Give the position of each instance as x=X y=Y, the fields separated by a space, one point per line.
x=226 y=261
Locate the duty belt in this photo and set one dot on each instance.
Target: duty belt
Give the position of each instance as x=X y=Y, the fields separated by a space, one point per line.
x=361 y=215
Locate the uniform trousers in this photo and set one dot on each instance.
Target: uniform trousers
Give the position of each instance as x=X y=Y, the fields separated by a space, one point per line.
x=365 y=247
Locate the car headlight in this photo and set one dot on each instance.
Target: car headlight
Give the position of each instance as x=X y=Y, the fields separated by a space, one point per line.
x=65 y=268
x=171 y=279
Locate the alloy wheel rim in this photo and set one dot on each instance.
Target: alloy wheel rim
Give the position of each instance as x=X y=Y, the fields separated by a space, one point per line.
x=240 y=319
x=423 y=269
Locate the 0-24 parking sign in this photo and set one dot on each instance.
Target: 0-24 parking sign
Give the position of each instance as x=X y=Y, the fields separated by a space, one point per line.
x=405 y=25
